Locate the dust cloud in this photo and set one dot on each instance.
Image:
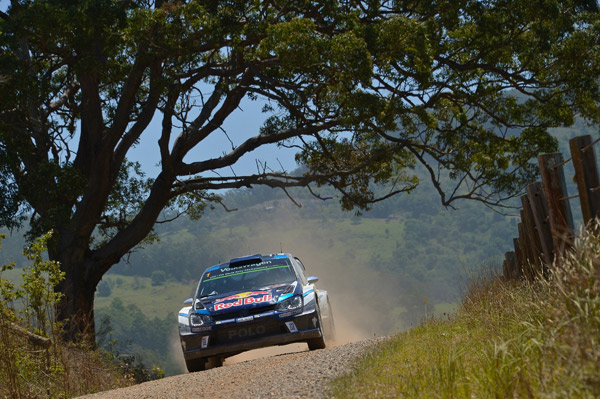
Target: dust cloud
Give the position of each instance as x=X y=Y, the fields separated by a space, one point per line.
x=358 y=296
x=175 y=352
x=354 y=320
x=361 y=298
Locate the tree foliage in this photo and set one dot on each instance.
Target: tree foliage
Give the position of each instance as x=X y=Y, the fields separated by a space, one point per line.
x=363 y=90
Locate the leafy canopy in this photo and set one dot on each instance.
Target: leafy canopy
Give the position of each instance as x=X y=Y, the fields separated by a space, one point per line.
x=365 y=91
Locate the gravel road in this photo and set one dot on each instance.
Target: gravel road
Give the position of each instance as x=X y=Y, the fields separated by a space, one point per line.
x=294 y=375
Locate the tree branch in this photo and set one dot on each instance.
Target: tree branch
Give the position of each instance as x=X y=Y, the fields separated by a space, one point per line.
x=144 y=118
x=250 y=145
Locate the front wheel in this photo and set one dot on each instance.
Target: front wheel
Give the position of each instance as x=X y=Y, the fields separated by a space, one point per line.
x=203 y=363
x=214 y=361
x=194 y=365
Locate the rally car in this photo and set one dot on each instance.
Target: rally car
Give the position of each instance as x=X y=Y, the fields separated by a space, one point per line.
x=252 y=302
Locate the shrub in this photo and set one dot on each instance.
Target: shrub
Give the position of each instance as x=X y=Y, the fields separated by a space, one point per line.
x=33 y=361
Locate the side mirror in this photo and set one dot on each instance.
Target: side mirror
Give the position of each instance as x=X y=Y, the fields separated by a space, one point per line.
x=188 y=302
x=312 y=279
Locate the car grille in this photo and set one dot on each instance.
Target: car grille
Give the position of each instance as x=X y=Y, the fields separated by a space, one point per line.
x=242 y=313
x=244 y=332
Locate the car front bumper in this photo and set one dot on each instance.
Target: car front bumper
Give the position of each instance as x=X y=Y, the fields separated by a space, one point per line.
x=229 y=340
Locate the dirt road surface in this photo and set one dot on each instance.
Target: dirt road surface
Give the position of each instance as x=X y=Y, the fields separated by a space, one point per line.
x=296 y=374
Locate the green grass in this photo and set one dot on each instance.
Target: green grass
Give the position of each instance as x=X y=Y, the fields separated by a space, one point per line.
x=364 y=236
x=159 y=301
x=517 y=340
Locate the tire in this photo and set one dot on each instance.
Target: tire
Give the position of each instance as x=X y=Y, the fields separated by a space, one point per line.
x=204 y=363
x=194 y=365
x=215 y=361
x=319 y=342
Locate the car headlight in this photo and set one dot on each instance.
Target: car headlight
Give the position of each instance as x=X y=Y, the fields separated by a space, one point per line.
x=290 y=304
x=198 y=320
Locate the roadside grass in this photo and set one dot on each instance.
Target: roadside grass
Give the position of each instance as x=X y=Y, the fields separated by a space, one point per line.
x=507 y=340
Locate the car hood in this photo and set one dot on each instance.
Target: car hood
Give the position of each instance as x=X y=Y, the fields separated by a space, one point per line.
x=248 y=299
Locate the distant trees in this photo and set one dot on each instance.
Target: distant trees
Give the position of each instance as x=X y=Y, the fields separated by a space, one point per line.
x=135 y=338
x=363 y=90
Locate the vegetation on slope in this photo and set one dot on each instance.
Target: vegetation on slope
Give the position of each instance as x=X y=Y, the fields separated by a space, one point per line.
x=34 y=363
x=523 y=340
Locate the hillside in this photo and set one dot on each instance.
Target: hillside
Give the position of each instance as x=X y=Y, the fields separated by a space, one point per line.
x=379 y=267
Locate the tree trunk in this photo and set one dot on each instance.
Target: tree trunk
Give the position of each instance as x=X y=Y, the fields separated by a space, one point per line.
x=84 y=268
x=76 y=307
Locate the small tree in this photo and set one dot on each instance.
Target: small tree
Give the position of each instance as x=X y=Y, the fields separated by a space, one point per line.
x=27 y=325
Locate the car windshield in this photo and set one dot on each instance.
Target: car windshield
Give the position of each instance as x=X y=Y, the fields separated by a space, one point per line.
x=246 y=277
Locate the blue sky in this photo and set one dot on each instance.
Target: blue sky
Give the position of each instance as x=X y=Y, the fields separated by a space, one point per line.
x=242 y=124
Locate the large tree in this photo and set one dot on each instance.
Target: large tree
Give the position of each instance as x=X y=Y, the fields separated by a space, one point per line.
x=364 y=90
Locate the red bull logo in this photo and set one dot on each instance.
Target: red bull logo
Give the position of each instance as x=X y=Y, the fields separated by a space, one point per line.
x=242 y=295
x=243 y=301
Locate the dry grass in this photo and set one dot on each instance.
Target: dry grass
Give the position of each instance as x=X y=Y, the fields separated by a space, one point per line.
x=60 y=371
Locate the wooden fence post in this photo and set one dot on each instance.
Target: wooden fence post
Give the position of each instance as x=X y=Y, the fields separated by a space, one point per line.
x=559 y=209
x=586 y=176
x=509 y=267
x=512 y=265
x=520 y=254
x=534 y=238
x=539 y=211
x=526 y=251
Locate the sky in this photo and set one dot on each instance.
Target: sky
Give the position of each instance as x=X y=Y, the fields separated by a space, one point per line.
x=242 y=124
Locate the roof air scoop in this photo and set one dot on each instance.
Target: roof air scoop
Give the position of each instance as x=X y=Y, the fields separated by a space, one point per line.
x=245 y=261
